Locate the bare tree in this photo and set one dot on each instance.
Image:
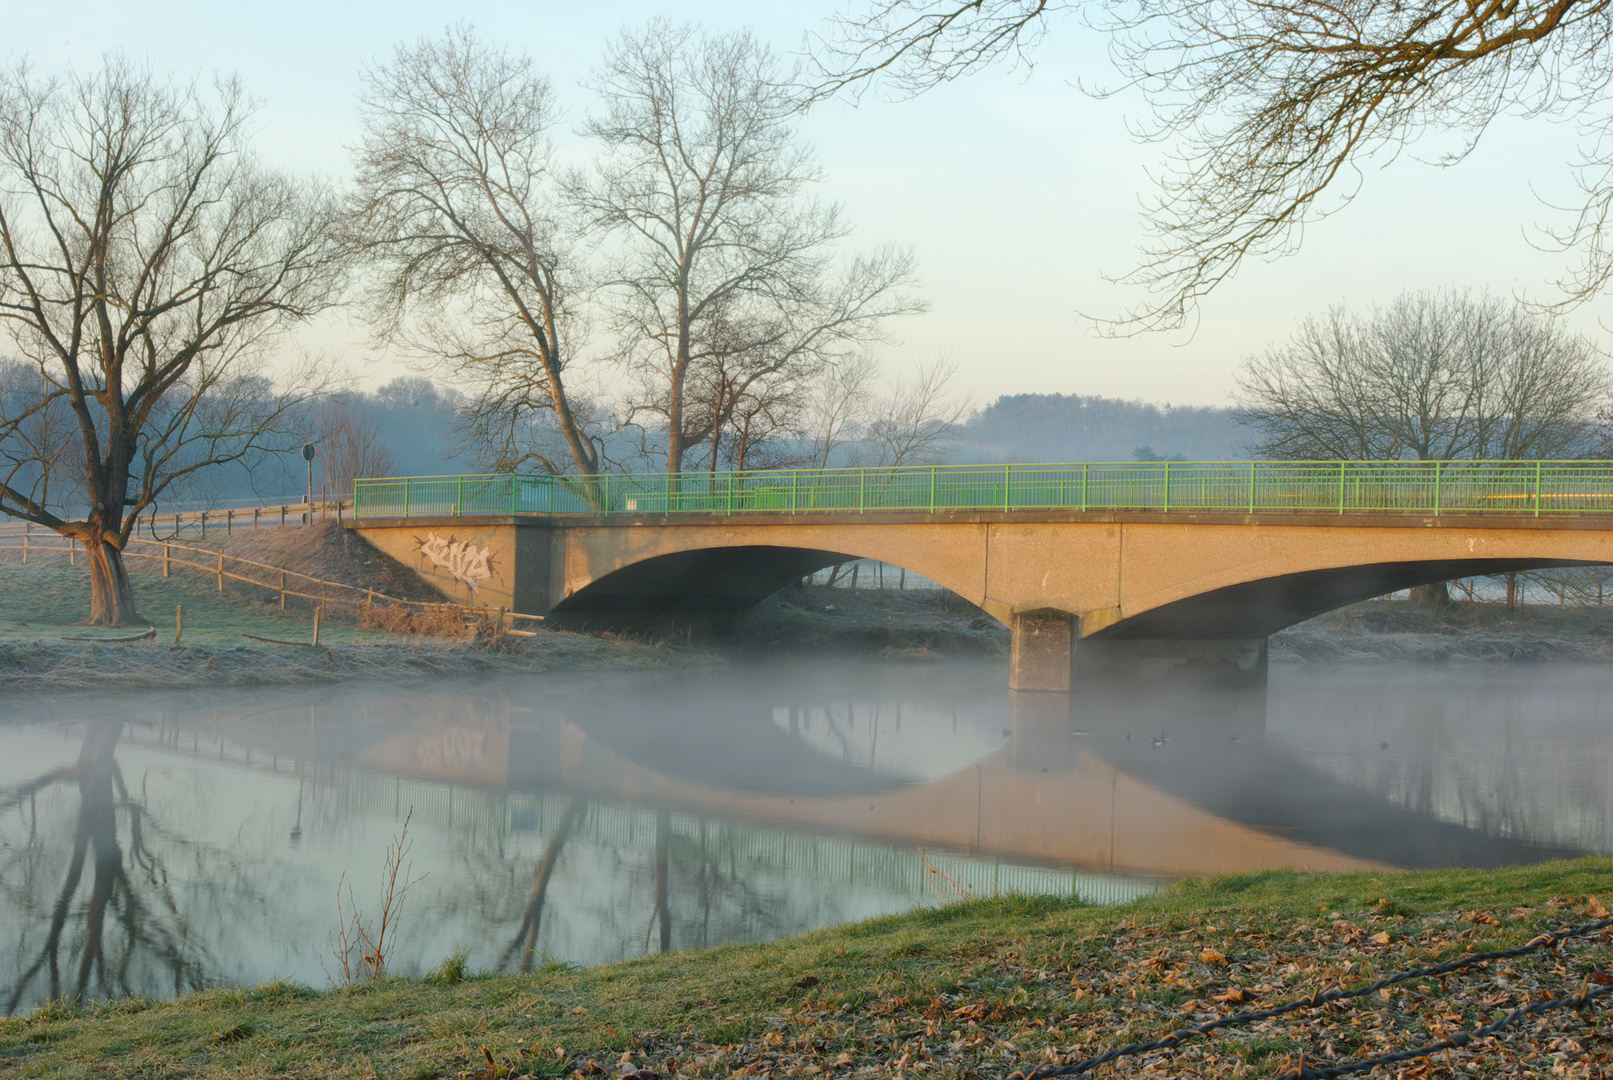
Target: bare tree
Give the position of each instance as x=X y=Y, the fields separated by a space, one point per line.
x=350 y=444
x=1434 y=375
x=1272 y=107
x=916 y=45
x=703 y=188
x=913 y=424
x=147 y=265
x=836 y=402
x=763 y=423
x=458 y=210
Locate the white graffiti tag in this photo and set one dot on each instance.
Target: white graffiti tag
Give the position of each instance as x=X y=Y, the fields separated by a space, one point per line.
x=463 y=560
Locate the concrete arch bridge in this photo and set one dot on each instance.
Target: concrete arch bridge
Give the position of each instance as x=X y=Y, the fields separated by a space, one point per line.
x=1099 y=570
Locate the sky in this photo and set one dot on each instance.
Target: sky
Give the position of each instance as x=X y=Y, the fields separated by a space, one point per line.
x=1019 y=193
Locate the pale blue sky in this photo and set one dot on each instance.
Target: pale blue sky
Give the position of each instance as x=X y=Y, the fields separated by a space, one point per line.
x=1019 y=193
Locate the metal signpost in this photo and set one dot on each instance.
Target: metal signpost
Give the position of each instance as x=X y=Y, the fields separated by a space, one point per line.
x=308 y=456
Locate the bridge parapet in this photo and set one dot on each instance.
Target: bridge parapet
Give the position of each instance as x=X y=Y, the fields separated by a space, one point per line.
x=1419 y=488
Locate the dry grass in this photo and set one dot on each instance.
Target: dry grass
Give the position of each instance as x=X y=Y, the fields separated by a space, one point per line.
x=891 y=622
x=1396 y=631
x=415 y=622
x=48 y=666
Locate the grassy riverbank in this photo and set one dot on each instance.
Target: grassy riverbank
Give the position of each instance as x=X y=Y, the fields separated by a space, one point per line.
x=973 y=990
x=48 y=599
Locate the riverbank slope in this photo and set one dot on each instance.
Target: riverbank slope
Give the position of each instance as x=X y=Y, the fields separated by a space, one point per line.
x=973 y=990
x=47 y=599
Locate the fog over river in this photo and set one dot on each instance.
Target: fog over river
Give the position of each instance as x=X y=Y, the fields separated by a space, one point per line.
x=158 y=843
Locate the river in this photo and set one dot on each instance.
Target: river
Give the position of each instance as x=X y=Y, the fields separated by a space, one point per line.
x=163 y=843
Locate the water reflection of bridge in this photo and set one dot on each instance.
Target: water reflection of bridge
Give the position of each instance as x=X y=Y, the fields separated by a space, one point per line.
x=1213 y=800
x=487 y=773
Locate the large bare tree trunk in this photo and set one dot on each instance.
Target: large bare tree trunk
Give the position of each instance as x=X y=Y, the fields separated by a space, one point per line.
x=111 y=595
x=1436 y=595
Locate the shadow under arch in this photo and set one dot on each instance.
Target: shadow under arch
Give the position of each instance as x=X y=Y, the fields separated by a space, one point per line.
x=713 y=580
x=708 y=581
x=1260 y=608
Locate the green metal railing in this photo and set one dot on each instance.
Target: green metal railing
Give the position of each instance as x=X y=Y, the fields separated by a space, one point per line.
x=1532 y=488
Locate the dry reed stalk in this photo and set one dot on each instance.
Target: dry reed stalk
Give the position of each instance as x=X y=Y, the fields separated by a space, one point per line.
x=445 y=622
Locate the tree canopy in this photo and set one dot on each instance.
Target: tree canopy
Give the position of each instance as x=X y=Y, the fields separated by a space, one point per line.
x=1270 y=109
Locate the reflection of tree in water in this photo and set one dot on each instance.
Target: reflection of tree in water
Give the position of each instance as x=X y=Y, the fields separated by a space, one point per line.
x=526 y=938
x=693 y=899
x=1499 y=756
x=691 y=893
x=126 y=933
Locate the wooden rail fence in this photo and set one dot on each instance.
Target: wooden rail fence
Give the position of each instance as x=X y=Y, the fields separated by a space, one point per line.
x=223 y=567
x=155 y=523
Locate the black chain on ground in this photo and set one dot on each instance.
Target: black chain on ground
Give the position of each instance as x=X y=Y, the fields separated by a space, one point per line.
x=1453 y=1042
x=1319 y=999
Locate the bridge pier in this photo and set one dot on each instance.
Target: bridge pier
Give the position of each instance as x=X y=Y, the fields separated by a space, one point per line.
x=1042 y=654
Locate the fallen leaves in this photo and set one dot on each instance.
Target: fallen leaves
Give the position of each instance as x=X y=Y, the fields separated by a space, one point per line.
x=985 y=1008
x=1005 y=1009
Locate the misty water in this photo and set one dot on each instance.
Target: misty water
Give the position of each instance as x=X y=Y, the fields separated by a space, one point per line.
x=159 y=843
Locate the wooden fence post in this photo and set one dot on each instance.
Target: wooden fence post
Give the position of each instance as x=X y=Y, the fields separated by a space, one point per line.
x=165 y=558
x=221 y=572
x=282 y=578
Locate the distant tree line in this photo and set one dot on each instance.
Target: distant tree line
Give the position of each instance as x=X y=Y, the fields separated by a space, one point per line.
x=1074 y=427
